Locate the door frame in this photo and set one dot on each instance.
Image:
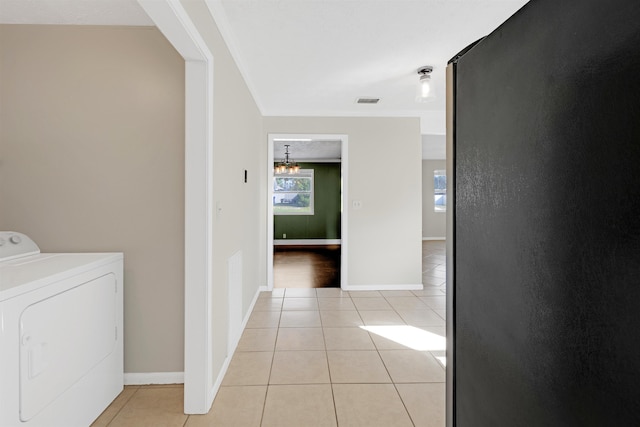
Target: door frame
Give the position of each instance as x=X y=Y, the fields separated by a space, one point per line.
x=172 y=20
x=344 y=178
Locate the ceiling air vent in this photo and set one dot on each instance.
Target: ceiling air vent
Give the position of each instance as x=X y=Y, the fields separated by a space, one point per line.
x=368 y=100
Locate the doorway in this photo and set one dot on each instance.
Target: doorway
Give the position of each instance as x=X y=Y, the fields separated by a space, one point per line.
x=306 y=266
x=307 y=215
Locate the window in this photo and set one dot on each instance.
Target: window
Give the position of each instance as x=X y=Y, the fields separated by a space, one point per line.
x=440 y=191
x=293 y=194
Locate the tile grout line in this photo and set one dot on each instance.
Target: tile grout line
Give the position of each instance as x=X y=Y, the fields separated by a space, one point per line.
x=326 y=353
x=395 y=387
x=375 y=348
x=264 y=404
x=273 y=354
x=125 y=404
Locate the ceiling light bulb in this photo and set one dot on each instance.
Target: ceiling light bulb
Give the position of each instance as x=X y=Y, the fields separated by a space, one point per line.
x=425 y=85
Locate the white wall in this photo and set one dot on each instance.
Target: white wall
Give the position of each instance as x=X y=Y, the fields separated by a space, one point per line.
x=433 y=223
x=237 y=125
x=384 y=236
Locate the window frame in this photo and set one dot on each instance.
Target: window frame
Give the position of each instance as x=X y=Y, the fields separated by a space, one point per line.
x=439 y=193
x=302 y=173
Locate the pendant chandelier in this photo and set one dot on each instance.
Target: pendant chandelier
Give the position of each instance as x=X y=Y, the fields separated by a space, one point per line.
x=287 y=165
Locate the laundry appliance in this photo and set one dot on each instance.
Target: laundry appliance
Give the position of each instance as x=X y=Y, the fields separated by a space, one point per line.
x=61 y=338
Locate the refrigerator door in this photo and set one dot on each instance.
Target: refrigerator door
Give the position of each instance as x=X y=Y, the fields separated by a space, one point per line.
x=544 y=273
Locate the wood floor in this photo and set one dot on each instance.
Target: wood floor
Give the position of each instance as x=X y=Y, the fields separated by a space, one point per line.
x=319 y=266
x=306 y=266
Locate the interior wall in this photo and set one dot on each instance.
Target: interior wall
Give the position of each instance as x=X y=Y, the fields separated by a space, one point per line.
x=433 y=223
x=92 y=160
x=325 y=221
x=240 y=222
x=384 y=236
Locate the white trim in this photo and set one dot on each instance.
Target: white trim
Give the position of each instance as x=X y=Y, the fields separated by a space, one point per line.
x=173 y=21
x=344 y=178
x=221 y=19
x=434 y=238
x=235 y=298
x=319 y=160
x=367 y=111
x=232 y=350
x=269 y=201
x=250 y=310
x=306 y=242
x=344 y=222
x=218 y=382
x=399 y=287
x=146 y=378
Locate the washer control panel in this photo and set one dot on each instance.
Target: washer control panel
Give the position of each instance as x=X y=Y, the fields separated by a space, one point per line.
x=15 y=245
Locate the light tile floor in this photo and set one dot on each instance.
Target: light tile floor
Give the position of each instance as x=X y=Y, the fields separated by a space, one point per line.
x=322 y=357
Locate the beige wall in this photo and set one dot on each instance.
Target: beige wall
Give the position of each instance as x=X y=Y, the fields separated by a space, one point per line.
x=237 y=124
x=384 y=162
x=433 y=223
x=91 y=159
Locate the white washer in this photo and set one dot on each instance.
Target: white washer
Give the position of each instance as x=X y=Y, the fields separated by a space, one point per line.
x=61 y=351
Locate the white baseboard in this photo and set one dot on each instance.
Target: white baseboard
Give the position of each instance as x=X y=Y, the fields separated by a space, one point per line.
x=216 y=385
x=249 y=311
x=146 y=378
x=398 y=287
x=434 y=238
x=304 y=242
x=231 y=351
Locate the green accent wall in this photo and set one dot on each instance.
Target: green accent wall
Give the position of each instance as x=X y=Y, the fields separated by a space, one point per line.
x=325 y=222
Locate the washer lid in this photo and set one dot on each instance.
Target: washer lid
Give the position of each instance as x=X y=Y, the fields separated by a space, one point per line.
x=24 y=274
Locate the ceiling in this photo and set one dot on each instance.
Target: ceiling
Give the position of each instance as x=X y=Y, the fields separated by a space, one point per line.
x=307 y=149
x=317 y=57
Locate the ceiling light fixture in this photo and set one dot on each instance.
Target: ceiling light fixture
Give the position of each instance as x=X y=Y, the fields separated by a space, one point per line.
x=424 y=87
x=286 y=165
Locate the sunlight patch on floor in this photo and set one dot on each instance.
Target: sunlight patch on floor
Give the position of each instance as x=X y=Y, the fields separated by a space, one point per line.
x=410 y=336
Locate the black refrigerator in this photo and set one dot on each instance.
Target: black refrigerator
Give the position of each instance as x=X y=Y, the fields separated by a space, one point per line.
x=543 y=240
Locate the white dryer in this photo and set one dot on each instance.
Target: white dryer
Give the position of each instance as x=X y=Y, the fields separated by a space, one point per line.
x=61 y=346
